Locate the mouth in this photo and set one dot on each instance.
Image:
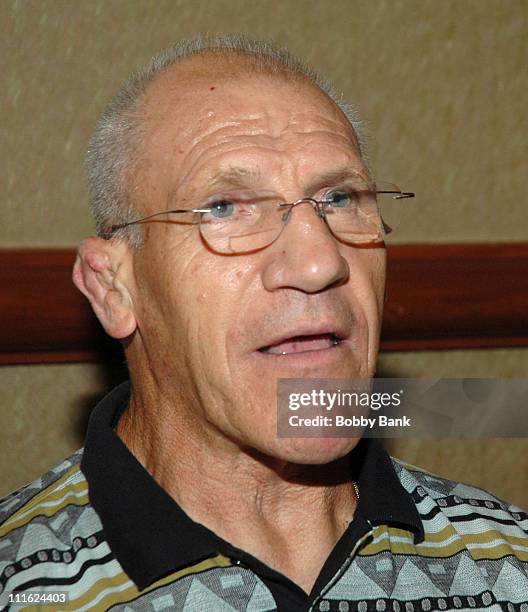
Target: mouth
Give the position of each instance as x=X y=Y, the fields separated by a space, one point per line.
x=303 y=344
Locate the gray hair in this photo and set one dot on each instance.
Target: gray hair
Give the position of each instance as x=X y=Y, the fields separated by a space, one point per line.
x=113 y=152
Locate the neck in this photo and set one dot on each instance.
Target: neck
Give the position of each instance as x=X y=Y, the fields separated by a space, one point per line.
x=289 y=516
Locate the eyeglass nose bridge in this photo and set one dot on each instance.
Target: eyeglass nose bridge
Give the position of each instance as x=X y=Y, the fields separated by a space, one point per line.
x=316 y=205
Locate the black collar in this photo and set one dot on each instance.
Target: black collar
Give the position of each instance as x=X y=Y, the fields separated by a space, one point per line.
x=151 y=536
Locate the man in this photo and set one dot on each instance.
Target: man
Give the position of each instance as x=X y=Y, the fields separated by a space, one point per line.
x=184 y=497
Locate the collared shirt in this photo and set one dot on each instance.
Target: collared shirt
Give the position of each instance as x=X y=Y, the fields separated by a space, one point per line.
x=99 y=529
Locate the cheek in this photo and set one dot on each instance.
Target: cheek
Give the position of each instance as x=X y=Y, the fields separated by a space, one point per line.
x=217 y=303
x=379 y=274
x=366 y=287
x=166 y=298
x=373 y=281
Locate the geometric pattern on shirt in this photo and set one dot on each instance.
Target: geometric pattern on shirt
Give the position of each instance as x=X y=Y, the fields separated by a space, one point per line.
x=474 y=556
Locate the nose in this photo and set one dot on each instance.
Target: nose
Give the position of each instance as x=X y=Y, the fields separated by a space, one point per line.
x=306 y=255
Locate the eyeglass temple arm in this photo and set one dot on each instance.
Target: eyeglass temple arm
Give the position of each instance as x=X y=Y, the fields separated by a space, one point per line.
x=398 y=195
x=162 y=212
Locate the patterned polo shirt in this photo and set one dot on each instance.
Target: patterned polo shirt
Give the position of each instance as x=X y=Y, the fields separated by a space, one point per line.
x=99 y=530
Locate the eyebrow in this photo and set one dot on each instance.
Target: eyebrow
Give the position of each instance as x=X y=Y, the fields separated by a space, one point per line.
x=336 y=177
x=235 y=177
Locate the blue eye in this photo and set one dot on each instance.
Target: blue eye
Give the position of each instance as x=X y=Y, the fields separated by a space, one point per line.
x=222 y=209
x=339 y=199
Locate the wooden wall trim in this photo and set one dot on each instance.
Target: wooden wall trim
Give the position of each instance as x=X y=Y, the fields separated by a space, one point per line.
x=442 y=296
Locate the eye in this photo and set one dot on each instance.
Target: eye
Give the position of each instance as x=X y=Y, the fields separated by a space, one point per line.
x=221 y=209
x=340 y=198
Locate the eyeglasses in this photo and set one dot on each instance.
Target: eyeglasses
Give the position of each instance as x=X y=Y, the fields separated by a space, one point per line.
x=246 y=221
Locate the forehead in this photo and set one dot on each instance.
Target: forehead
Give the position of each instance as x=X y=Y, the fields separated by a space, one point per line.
x=207 y=113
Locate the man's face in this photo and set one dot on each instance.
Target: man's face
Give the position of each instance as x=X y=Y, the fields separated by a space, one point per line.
x=218 y=331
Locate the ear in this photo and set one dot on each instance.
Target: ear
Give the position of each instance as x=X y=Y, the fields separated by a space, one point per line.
x=103 y=273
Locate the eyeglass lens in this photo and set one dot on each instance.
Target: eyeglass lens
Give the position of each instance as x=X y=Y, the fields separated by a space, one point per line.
x=239 y=226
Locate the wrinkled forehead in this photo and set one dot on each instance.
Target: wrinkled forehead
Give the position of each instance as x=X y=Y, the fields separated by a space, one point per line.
x=204 y=92
x=202 y=117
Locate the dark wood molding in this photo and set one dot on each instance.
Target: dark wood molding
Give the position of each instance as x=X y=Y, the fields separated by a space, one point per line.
x=442 y=296
x=456 y=296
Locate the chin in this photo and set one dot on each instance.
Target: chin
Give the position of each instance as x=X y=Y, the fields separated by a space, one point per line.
x=314 y=451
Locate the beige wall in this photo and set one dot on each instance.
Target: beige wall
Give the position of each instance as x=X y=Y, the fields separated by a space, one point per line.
x=441 y=85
